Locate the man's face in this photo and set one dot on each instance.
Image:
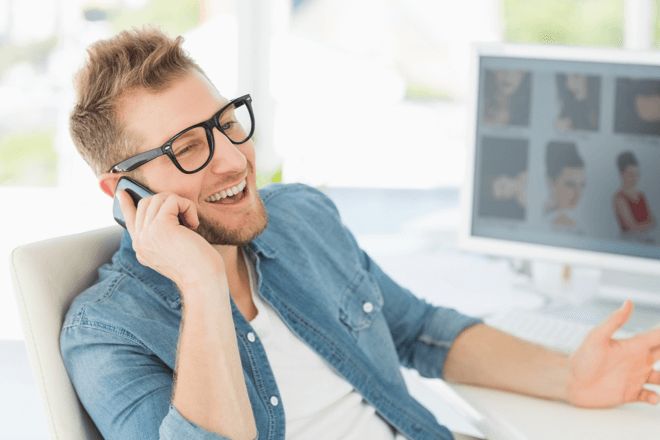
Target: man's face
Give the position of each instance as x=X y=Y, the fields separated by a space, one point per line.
x=155 y=118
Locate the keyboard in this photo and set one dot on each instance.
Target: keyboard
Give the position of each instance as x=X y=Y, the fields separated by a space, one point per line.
x=552 y=332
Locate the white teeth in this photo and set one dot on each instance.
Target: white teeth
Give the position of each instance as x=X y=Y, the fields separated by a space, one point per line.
x=228 y=192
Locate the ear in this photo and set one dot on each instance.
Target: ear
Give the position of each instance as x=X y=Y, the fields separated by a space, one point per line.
x=108 y=183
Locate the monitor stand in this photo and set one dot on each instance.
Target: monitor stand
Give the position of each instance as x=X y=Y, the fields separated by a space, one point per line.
x=565 y=284
x=589 y=294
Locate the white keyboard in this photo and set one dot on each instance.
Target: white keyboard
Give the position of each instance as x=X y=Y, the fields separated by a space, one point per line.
x=555 y=333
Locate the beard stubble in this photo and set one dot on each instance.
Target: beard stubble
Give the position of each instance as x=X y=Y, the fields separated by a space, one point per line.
x=216 y=234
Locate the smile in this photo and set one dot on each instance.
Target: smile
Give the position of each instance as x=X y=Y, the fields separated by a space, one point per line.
x=229 y=192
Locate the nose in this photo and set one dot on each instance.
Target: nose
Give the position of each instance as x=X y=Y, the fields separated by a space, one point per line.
x=227 y=158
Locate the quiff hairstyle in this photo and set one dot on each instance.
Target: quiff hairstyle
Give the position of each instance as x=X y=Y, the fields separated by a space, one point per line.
x=135 y=59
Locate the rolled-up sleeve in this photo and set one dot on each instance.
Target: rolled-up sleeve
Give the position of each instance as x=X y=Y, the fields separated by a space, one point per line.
x=422 y=333
x=124 y=387
x=175 y=426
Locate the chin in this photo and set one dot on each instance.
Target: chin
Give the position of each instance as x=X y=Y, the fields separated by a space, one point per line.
x=252 y=225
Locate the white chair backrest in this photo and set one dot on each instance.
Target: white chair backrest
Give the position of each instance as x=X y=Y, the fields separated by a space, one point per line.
x=47 y=276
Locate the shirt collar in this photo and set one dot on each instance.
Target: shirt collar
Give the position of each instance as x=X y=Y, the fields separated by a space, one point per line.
x=151 y=279
x=162 y=285
x=263 y=245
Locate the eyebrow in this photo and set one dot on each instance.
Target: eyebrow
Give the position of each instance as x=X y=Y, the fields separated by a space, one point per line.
x=187 y=134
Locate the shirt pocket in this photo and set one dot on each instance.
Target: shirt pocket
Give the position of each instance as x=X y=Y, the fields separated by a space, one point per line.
x=361 y=301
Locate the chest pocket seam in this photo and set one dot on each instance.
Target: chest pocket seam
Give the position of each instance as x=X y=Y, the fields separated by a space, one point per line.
x=360 y=290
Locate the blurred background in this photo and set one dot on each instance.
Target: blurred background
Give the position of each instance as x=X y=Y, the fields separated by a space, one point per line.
x=348 y=94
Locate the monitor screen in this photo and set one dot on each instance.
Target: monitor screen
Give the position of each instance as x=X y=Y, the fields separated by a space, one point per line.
x=567 y=154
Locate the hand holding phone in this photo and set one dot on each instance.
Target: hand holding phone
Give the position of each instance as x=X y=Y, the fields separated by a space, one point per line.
x=135 y=190
x=177 y=253
x=137 y=193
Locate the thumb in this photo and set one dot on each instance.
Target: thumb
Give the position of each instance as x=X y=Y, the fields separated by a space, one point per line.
x=616 y=320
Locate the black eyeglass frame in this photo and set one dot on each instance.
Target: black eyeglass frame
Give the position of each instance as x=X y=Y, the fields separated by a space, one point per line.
x=140 y=159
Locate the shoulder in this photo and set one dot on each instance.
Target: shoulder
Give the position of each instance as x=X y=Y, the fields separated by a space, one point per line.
x=93 y=306
x=116 y=301
x=297 y=198
x=302 y=217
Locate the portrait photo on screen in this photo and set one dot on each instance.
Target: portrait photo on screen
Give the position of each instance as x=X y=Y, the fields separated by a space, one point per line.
x=579 y=102
x=566 y=179
x=637 y=106
x=630 y=205
x=503 y=176
x=507 y=95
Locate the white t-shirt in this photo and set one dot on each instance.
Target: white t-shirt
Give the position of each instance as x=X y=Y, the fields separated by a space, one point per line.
x=318 y=402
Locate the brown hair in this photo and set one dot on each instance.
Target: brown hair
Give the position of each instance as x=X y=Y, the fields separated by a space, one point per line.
x=140 y=58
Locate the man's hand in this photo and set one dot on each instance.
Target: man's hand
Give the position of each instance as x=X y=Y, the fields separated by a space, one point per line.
x=605 y=372
x=163 y=244
x=209 y=388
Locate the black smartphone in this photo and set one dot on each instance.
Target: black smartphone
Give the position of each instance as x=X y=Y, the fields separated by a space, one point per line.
x=135 y=190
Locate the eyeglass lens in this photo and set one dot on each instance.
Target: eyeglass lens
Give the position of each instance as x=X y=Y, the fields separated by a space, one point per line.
x=192 y=149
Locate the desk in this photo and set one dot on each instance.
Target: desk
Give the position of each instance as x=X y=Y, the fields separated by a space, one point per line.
x=539 y=419
x=441 y=276
x=535 y=419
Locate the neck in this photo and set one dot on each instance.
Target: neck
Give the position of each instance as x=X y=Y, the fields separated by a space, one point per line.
x=236 y=271
x=234 y=263
x=229 y=255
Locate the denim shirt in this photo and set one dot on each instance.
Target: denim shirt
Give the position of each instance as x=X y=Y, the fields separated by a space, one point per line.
x=119 y=337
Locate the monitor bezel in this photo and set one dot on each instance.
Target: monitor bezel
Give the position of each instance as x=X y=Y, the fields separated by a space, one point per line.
x=523 y=250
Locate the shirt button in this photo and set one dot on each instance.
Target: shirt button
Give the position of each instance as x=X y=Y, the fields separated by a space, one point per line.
x=367 y=307
x=274 y=401
x=251 y=337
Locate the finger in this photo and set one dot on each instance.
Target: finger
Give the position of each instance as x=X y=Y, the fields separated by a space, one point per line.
x=647 y=396
x=128 y=209
x=651 y=339
x=655 y=354
x=153 y=208
x=177 y=206
x=654 y=378
x=142 y=206
x=615 y=321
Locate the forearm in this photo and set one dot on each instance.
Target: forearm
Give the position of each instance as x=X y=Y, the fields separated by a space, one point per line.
x=484 y=356
x=209 y=388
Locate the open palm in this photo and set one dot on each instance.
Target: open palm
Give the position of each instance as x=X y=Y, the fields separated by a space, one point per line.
x=605 y=372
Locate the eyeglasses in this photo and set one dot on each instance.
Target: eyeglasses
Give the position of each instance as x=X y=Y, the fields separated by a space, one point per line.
x=192 y=149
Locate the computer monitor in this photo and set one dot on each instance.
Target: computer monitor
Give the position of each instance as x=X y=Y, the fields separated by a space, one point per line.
x=564 y=156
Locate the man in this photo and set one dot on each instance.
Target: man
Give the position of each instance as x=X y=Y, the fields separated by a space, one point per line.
x=259 y=316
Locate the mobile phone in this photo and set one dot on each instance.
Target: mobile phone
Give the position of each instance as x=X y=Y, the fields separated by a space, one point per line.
x=135 y=190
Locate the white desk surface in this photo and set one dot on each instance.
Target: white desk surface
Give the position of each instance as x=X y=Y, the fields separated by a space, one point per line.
x=447 y=278
x=539 y=419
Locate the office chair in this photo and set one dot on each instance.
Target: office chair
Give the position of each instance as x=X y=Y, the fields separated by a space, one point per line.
x=47 y=276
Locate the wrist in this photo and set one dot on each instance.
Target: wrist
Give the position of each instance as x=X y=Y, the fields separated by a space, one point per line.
x=199 y=288
x=563 y=373
x=191 y=276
